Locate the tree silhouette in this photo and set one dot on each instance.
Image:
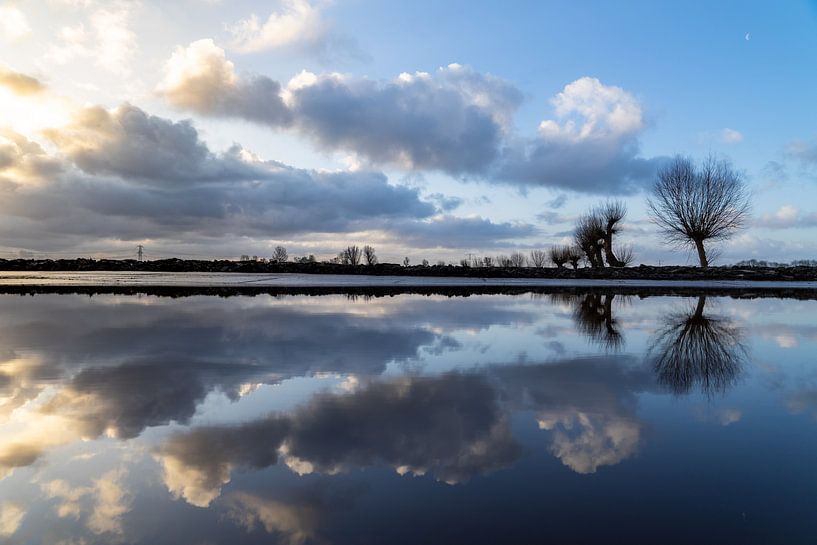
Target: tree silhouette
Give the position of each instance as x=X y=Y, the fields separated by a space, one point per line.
x=611 y=214
x=593 y=315
x=692 y=204
x=279 y=255
x=369 y=255
x=589 y=236
x=692 y=350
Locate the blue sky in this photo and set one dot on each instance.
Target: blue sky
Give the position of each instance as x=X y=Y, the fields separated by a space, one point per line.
x=478 y=157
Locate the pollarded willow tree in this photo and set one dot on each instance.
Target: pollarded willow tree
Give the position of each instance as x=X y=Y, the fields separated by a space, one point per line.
x=611 y=214
x=694 y=204
x=589 y=236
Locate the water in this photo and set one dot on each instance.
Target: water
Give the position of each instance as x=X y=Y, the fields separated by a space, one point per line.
x=407 y=419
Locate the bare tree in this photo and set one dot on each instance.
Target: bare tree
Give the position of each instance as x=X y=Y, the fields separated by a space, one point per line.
x=611 y=214
x=369 y=255
x=593 y=314
x=425 y=263
x=279 y=255
x=692 y=349
x=487 y=261
x=559 y=255
x=351 y=255
x=625 y=255
x=589 y=235
x=693 y=204
x=518 y=259
x=503 y=261
x=406 y=261
x=538 y=258
x=574 y=256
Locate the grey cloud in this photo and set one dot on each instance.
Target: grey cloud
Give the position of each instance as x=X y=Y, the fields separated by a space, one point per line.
x=131 y=144
x=106 y=356
x=204 y=81
x=587 y=405
x=420 y=121
x=450 y=425
x=456 y=121
x=452 y=120
x=113 y=398
x=454 y=425
x=591 y=166
x=187 y=187
x=133 y=176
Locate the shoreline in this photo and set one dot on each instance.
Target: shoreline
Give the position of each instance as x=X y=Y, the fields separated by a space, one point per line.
x=641 y=273
x=228 y=284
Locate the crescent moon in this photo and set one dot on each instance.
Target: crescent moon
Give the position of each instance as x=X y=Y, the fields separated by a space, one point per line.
x=747 y=36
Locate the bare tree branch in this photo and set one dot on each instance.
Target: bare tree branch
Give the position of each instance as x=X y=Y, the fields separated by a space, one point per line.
x=692 y=204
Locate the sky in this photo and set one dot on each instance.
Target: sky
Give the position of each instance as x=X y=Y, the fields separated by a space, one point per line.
x=434 y=130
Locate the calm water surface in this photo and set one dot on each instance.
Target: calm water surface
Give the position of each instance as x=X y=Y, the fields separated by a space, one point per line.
x=408 y=419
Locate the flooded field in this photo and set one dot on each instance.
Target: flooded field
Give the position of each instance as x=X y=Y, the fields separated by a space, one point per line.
x=529 y=418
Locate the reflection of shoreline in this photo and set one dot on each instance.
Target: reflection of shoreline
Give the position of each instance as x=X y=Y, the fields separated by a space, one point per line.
x=751 y=290
x=692 y=350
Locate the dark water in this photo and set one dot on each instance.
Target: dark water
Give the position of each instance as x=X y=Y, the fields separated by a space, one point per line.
x=409 y=419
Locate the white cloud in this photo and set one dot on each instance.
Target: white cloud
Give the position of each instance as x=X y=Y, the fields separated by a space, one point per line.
x=590 y=110
x=13 y=23
x=11 y=516
x=104 y=37
x=19 y=84
x=788 y=217
x=731 y=136
x=294 y=524
x=298 y=21
x=729 y=416
x=583 y=442
x=786 y=341
x=108 y=502
x=591 y=146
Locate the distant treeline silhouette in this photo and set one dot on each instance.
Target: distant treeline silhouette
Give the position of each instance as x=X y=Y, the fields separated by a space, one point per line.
x=774 y=264
x=691 y=204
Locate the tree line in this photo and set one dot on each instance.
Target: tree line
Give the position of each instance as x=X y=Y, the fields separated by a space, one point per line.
x=693 y=205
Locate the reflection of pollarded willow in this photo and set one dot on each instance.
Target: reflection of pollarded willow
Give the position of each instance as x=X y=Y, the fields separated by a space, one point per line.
x=692 y=349
x=593 y=314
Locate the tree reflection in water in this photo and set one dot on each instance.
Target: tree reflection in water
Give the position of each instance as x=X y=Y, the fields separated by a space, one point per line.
x=593 y=314
x=692 y=349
